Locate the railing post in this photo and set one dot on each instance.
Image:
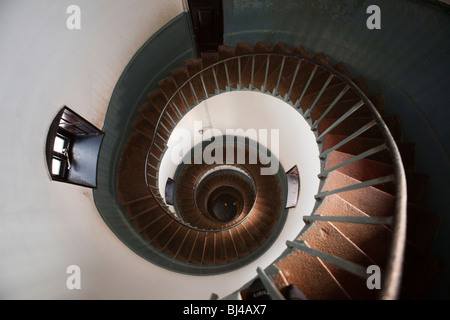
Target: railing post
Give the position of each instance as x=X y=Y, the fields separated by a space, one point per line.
x=273 y=291
x=288 y=95
x=263 y=88
x=275 y=90
x=239 y=85
x=253 y=73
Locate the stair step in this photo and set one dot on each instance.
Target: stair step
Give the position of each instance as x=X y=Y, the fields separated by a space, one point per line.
x=361 y=144
x=362 y=85
x=313 y=278
x=144 y=127
x=246 y=62
x=131 y=175
x=369 y=200
x=149 y=224
x=248 y=237
x=278 y=67
x=229 y=246
x=279 y=280
x=374 y=240
x=157 y=100
x=140 y=207
x=219 y=253
x=208 y=249
x=350 y=125
x=323 y=236
x=304 y=81
x=262 y=219
x=180 y=76
x=301 y=51
x=209 y=58
x=322 y=92
x=291 y=65
x=167 y=234
x=243 y=48
x=196 y=255
x=194 y=66
x=175 y=239
x=185 y=247
x=366 y=169
x=255 y=229
x=156 y=226
x=177 y=105
x=375 y=202
x=239 y=242
x=138 y=140
x=282 y=47
x=340 y=107
x=263 y=47
x=321 y=57
x=322 y=80
x=370 y=238
x=226 y=51
x=260 y=63
x=341 y=68
x=151 y=111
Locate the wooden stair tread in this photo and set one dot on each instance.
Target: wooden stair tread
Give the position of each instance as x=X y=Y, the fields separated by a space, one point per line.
x=323 y=236
x=352 y=124
x=367 y=169
x=313 y=279
x=362 y=144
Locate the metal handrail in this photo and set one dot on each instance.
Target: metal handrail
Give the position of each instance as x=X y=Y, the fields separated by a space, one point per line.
x=393 y=272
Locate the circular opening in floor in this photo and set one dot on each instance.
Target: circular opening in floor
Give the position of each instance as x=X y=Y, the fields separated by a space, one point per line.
x=225 y=207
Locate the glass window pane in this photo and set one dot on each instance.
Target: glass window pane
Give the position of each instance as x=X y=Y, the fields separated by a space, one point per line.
x=56 y=166
x=59 y=144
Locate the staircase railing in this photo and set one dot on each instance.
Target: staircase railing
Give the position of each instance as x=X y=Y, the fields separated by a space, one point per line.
x=221 y=77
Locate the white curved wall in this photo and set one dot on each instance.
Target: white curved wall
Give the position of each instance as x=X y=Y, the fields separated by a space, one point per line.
x=249 y=112
x=46 y=226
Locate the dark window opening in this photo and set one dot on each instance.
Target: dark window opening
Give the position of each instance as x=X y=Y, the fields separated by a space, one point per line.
x=72 y=149
x=170 y=186
x=293 y=186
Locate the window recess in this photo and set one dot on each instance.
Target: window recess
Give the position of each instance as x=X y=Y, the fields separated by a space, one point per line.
x=72 y=149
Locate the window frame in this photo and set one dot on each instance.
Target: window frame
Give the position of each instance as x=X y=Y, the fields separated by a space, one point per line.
x=68 y=141
x=60 y=128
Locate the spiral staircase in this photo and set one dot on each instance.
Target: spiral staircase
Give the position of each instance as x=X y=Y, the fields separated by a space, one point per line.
x=360 y=215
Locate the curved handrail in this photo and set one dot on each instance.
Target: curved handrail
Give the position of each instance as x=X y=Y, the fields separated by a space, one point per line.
x=393 y=272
